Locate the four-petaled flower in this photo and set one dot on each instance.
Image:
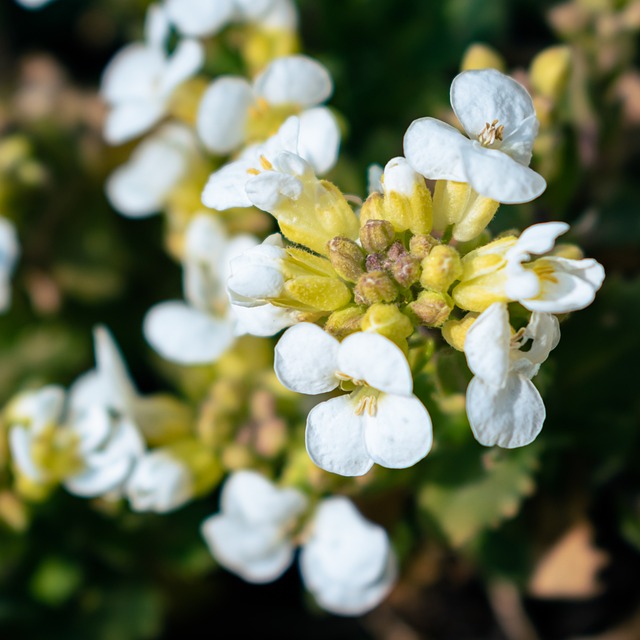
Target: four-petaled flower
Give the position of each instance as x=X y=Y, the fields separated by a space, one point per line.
x=381 y=421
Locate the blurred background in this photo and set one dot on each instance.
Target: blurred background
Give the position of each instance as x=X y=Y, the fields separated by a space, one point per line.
x=548 y=548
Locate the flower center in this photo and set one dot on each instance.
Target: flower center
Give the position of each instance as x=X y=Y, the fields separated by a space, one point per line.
x=491 y=133
x=545 y=271
x=264 y=119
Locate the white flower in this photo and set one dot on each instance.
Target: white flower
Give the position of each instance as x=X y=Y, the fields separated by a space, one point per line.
x=160 y=482
x=498 y=115
x=252 y=534
x=9 y=252
x=200 y=329
x=33 y=4
x=234 y=112
x=142 y=185
x=139 y=81
x=503 y=405
x=347 y=562
x=206 y=17
x=550 y=284
x=381 y=421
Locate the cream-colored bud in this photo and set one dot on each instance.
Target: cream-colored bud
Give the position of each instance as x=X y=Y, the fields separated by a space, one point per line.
x=420 y=245
x=343 y=323
x=441 y=268
x=390 y=322
x=376 y=235
x=550 y=70
x=347 y=258
x=455 y=331
x=482 y=56
x=432 y=308
x=375 y=286
x=372 y=209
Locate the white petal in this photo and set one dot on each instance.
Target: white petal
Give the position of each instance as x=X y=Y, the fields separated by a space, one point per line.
x=128 y=120
x=434 y=149
x=374 y=178
x=206 y=239
x=484 y=95
x=223 y=113
x=270 y=190
x=538 y=238
x=185 y=335
x=249 y=496
x=573 y=287
x=296 y=80
x=257 y=555
x=335 y=438
x=256 y=274
x=100 y=480
x=519 y=143
x=319 y=139
x=544 y=332
x=132 y=74
x=400 y=177
x=200 y=17
x=225 y=187
x=281 y=15
x=253 y=9
x=496 y=175
x=156 y=26
x=263 y=321
x=93 y=427
x=487 y=345
x=20 y=442
x=306 y=358
x=399 y=434
x=184 y=62
x=376 y=360
x=509 y=417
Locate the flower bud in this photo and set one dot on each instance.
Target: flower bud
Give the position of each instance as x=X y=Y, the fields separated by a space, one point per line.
x=318 y=292
x=441 y=268
x=420 y=246
x=375 y=262
x=432 y=308
x=455 y=331
x=569 y=251
x=550 y=71
x=388 y=321
x=342 y=323
x=376 y=235
x=372 y=209
x=374 y=287
x=405 y=270
x=481 y=56
x=347 y=258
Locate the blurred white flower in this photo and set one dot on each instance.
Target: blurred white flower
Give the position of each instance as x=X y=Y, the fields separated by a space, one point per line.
x=252 y=534
x=160 y=482
x=141 y=186
x=381 y=421
x=503 y=405
x=499 y=118
x=9 y=252
x=138 y=82
x=347 y=562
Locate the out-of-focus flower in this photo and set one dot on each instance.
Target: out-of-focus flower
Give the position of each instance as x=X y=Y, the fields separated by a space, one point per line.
x=138 y=82
x=501 y=272
x=9 y=252
x=380 y=421
x=142 y=185
x=33 y=4
x=234 y=112
x=347 y=562
x=252 y=534
x=503 y=405
x=498 y=116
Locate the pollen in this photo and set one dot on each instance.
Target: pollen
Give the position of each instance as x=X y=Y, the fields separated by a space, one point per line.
x=266 y=165
x=253 y=172
x=368 y=404
x=491 y=133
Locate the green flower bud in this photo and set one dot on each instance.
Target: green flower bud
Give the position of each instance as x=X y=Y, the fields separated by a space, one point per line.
x=432 y=308
x=376 y=235
x=441 y=268
x=342 y=323
x=374 y=287
x=347 y=258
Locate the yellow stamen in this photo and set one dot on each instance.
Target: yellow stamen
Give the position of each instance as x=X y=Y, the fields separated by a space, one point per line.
x=253 y=172
x=266 y=165
x=491 y=133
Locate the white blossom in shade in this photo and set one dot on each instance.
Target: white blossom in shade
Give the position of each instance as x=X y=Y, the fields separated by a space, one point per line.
x=33 y=4
x=141 y=186
x=9 y=252
x=499 y=119
x=503 y=406
x=160 y=482
x=252 y=534
x=202 y=18
x=234 y=113
x=381 y=421
x=138 y=82
x=347 y=563
x=203 y=326
x=550 y=284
